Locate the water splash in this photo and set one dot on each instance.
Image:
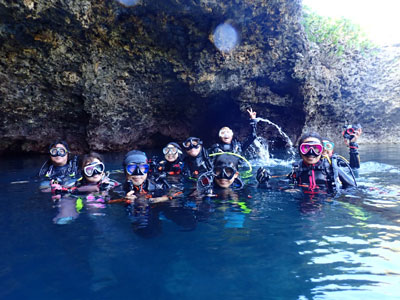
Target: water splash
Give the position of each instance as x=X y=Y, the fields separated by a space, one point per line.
x=375 y=167
x=128 y=2
x=225 y=37
x=261 y=150
x=281 y=132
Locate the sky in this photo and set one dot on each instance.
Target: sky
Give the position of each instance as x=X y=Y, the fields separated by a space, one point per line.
x=380 y=19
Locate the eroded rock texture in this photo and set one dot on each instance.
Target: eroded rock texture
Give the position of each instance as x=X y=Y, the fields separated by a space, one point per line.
x=108 y=77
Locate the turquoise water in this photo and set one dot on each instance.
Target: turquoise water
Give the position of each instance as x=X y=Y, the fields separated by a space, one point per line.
x=275 y=245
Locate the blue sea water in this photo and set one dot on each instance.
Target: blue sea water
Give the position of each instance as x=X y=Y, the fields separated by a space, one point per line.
x=275 y=245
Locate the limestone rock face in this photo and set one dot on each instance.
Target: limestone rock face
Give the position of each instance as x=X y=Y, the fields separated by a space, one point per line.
x=354 y=88
x=109 y=77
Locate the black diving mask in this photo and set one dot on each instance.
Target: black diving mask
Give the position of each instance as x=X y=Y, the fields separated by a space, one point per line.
x=224 y=172
x=137 y=169
x=191 y=143
x=58 y=151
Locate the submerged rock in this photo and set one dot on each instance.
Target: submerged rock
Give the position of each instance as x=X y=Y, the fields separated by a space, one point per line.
x=110 y=76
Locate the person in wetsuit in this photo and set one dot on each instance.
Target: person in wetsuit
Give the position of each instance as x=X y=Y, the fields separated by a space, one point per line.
x=351 y=133
x=137 y=182
x=197 y=160
x=148 y=197
x=313 y=172
x=351 y=136
x=91 y=190
x=173 y=163
x=229 y=144
x=61 y=167
x=221 y=188
x=224 y=175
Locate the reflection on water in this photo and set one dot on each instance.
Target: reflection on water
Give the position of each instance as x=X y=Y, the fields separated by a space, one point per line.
x=365 y=266
x=260 y=244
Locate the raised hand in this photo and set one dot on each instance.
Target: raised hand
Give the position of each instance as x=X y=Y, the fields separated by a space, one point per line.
x=252 y=113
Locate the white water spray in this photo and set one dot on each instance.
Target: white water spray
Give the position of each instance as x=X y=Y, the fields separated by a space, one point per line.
x=281 y=132
x=261 y=149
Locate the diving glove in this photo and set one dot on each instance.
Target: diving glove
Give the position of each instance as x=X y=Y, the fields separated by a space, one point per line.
x=262 y=175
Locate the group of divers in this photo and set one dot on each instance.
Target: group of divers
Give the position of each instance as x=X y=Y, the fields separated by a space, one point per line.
x=150 y=186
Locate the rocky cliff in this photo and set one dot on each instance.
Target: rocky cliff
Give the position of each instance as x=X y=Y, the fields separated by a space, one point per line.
x=109 y=77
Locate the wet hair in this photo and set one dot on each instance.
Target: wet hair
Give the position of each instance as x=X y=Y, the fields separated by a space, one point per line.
x=88 y=158
x=226 y=160
x=61 y=142
x=308 y=135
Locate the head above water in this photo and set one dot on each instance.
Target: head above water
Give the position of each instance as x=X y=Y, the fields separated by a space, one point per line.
x=136 y=167
x=192 y=146
x=59 y=150
x=310 y=148
x=329 y=145
x=92 y=167
x=225 y=170
x=172 y=152
x=226 y=135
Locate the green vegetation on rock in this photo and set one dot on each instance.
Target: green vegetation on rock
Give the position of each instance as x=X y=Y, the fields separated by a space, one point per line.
x=335 y=36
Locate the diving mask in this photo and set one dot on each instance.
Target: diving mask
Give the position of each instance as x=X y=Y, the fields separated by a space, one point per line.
x=58 y=151
x=328 y=145
x=137 y=169
x=93 y=169
x=311 y=149
x=225 y=133
x=170 y=150
x=224 y=172
x=191 y=143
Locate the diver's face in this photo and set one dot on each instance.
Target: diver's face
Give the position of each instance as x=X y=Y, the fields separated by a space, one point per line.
x=311 y=159
x=194 y=152
x=95 y=178
x=328 y=148
x=58 y=160
x=327 y=153
x=226 y=135
x=137 y=180
x=226 y=183
x=171 y=157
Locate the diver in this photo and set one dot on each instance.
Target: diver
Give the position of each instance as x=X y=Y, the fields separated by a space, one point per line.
x=229 y=144
x=328 y=147
x=313 y=173
x=137 y=179
x=173 y=163
x=224 y=175
x=221 y=189
x=351 y=133
x=91 y=190
x=61 y=167
x=147 y=197
x=197 y=160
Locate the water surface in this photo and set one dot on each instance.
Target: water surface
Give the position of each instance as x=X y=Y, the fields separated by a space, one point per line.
x=275 y=245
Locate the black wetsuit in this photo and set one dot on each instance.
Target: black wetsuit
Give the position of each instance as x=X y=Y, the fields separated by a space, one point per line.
x=69 y=171
x=354 y=156
x=323 y=174
x=169 y=168
x=145 y=215
x=235 y=146
x=149 y=188
x=194 y=166
x=105 y=184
